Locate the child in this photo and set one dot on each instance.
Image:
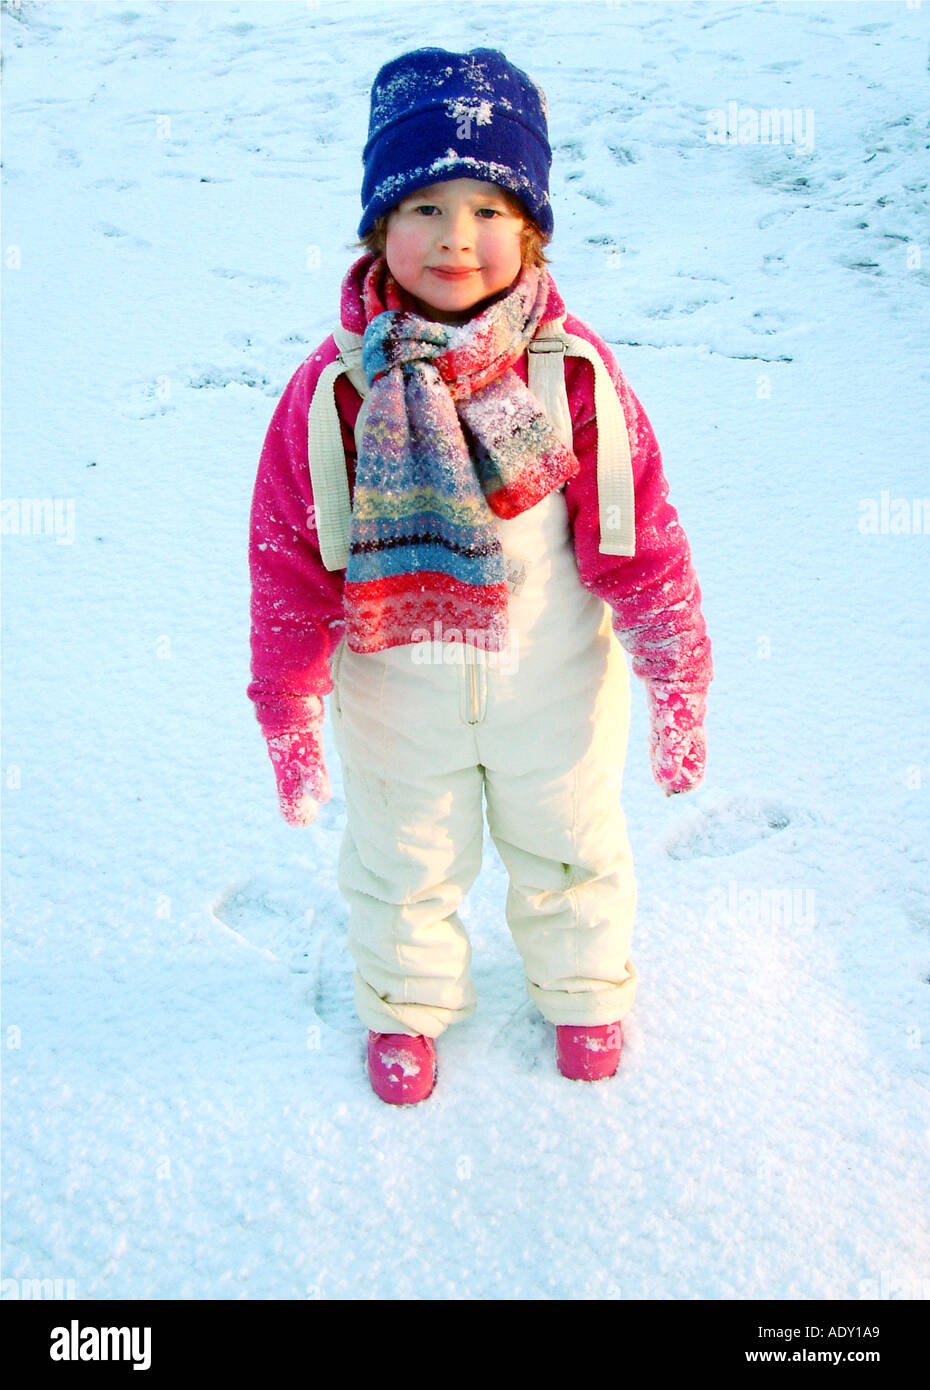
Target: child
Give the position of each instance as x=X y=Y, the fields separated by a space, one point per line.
x=469 y=632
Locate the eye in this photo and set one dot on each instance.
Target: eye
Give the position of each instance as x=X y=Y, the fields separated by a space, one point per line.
x=425 y=208
x=493 y=212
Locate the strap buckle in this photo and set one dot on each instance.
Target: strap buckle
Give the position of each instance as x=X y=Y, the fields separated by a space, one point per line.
x=546 y=345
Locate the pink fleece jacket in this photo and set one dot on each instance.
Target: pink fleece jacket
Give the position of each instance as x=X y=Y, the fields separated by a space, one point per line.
x=296 y=610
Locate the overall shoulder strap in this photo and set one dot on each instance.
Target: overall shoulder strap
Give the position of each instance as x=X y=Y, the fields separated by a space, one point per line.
x=327 y=459
x=350 y=354
x=546 y=379
x=615 y=492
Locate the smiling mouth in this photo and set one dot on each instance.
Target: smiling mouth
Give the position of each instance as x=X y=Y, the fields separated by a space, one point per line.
x=445 y=273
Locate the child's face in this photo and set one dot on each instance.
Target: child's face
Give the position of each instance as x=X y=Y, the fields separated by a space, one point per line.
x=461 y=225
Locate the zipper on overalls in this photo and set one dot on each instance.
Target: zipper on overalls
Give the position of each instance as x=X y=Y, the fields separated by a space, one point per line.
x=471 y=678
x=472 y=684
x=474 y=687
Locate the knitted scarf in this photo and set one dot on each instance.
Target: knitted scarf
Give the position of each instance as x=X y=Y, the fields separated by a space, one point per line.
x=451 y=439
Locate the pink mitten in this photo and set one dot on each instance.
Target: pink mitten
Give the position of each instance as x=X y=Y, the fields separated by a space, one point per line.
x=303 y=784
x=677 y=743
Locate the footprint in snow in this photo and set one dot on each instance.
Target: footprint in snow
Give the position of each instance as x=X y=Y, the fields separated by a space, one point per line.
x=735 y=825
x=866 y=267
x=771 y=217
x=216 y=378
x=680 y=308
x=109 y=230
x=143 y=400
x=277 y=920
x=114 y=185
x=253 y=281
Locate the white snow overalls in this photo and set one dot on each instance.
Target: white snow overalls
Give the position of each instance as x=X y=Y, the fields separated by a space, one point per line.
x=541 y=730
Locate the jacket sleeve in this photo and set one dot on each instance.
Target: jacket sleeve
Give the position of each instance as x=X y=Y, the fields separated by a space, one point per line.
x=654 y=594
x=296 y=603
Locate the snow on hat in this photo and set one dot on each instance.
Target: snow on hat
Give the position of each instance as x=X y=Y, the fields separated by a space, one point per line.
x=437 y=115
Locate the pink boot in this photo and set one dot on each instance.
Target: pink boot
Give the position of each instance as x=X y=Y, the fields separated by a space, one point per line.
x=401 y=1068
x=588 y=1052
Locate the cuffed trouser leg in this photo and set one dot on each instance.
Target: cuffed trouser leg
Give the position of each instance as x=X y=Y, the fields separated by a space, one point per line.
x=554 y=813
x=409 y=854
x=571 y=916
x=412 y=845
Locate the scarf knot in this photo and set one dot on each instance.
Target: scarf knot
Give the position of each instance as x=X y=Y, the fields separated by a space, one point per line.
x=396 y=338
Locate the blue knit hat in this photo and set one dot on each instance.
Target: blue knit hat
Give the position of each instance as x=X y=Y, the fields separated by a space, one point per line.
x=437 y=115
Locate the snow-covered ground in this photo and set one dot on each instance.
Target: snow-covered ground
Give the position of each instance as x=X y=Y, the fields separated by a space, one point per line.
x=186 y=1113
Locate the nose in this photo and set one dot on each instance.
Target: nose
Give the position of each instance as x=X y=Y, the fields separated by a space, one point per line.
x=456 y=231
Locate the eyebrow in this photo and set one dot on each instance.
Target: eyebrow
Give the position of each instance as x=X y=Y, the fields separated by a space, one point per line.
x=425 y=195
